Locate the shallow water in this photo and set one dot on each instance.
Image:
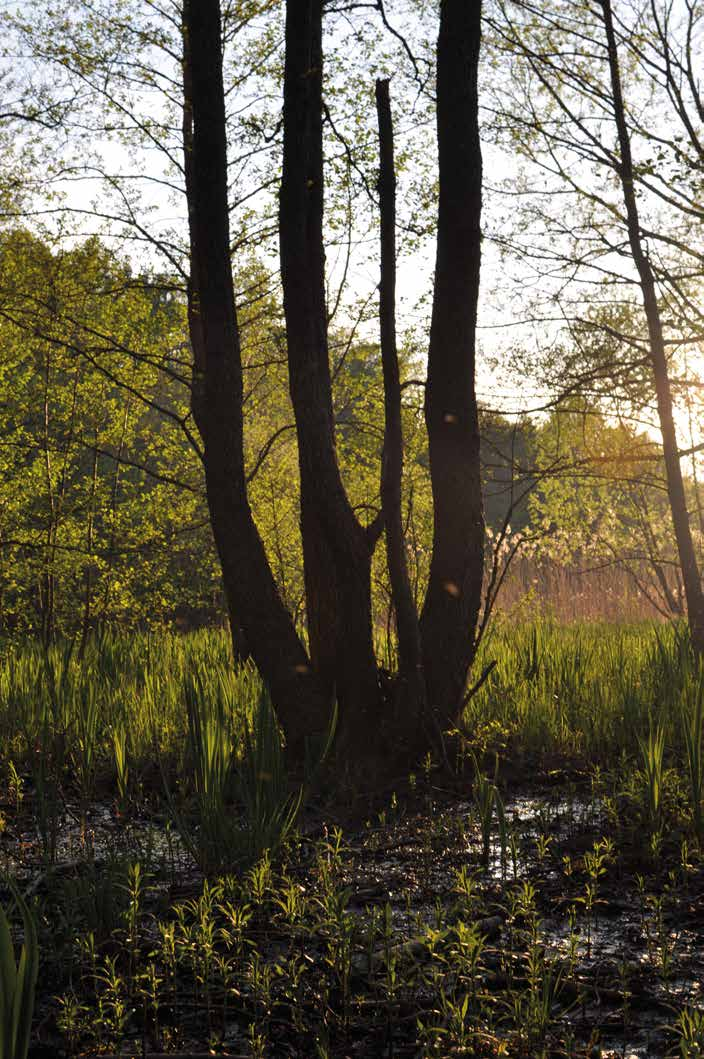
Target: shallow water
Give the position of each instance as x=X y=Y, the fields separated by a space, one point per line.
x=626 y=967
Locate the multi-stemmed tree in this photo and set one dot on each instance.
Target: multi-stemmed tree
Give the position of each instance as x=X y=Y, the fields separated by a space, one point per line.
x=339 y=660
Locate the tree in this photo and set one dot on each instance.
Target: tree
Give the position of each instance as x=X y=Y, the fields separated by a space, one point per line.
x=569 y=103
x=337 y=548
x=261 y=624
x=603 y=494
x=100 y=503
x=453 y=597
x=651 y=308
x=120 y=63
x=410 y=649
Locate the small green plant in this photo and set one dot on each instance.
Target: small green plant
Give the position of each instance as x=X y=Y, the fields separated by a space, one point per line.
x=595 y=861
x=485 y=799
x=71 y=1019
x=652 y=755
x=17 y=983
x=112 y=1011
x=465 y=886
x=15 y=786
x=689 y=1028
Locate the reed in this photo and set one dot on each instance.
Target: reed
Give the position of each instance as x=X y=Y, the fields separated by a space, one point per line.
x=17 y=982
x=652 y=754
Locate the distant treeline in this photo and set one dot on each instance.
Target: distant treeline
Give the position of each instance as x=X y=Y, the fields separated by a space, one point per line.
x=103 y=518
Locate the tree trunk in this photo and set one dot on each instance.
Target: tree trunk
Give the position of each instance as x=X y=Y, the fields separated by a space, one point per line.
x=675 y=483
x=88 y=571
x=195 y=325
x=337 y=550
x=453 y=597
x=412 y=685
x=249 y=585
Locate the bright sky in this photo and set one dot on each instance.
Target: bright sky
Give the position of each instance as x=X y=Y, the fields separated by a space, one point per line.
x=507 y=291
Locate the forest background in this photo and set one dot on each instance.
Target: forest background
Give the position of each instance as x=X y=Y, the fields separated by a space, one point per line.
x=103 y=515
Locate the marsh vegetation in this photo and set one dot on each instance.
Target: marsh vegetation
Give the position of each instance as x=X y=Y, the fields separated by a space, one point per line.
x=538 y=892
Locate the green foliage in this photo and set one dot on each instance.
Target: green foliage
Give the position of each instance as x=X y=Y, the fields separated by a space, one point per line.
x=690 y=1032
x=585 y=691
x=100 y=506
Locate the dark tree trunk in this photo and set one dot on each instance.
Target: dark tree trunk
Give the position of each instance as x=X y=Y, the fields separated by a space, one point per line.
x=337 y=550
x=675 y=483
x=453 y=596
x=195 y=325
x=252 y=595
x=412 y=686
x=88 y=570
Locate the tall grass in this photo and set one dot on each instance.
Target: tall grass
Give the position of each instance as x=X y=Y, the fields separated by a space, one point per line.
x=241 y=804
x=133 y=681
x=586 y=691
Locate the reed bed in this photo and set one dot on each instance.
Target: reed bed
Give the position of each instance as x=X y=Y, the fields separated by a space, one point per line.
x=236 y=931
x=593 y=591
x=136 y=703
x=587 y=691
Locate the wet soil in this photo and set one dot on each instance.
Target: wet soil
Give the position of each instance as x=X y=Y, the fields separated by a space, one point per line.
x=570 y=874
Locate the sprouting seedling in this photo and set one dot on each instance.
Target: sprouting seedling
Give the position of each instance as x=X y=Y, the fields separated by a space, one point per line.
x=466 y=888
x=259 y=879
x=112 y=1003
x=689 y=1028
x=15 y=784
x=542 y=846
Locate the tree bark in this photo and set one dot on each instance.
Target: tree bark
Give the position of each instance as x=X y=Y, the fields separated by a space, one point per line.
x=453 y=597
x=337 y=549
x=195 y=327
x=673 y=469
x=249 y=584
x=412 y=685
x=88 y=572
